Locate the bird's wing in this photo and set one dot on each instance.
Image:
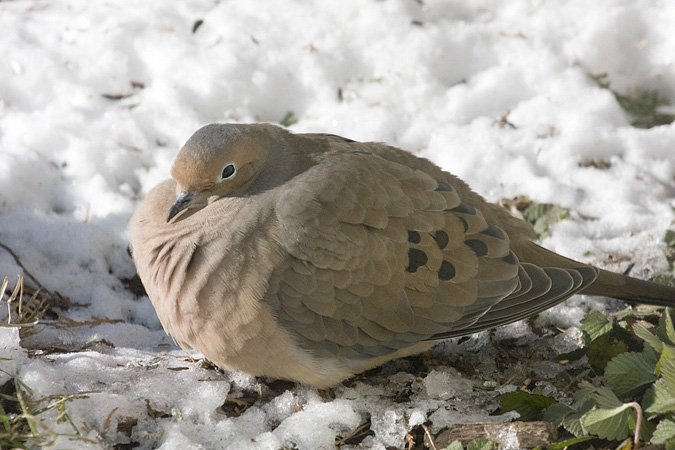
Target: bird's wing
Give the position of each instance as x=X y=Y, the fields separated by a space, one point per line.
x=384 y=255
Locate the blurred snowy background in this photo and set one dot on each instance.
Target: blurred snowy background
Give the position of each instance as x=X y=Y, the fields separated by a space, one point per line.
x=517 y=98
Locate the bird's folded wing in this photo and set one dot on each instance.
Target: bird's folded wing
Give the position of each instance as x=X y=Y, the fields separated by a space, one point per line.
x=384 y=255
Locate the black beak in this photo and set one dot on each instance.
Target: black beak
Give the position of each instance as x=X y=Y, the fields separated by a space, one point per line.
x=182 y=202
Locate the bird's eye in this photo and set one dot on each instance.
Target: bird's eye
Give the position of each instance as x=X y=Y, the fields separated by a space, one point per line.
x=228 y=172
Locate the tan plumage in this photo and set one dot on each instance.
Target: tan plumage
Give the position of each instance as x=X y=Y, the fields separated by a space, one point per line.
x=312 y=257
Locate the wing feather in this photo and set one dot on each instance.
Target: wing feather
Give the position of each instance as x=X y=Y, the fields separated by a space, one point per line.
x=384 y=255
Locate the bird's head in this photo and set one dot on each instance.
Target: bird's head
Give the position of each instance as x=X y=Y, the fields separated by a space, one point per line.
x=218 y=160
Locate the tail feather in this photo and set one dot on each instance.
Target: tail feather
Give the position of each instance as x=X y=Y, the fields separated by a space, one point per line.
x=607 y=284
x=632 y=290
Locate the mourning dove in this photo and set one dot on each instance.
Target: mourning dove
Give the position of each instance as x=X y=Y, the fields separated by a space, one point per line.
x=312 y=257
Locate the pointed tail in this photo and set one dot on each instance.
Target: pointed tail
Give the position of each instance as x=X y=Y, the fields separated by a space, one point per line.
x=607 y=284
x=632 y=290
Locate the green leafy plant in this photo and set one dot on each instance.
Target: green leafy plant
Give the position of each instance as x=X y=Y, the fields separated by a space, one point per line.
x=543 y=215
x=644 y=106
x=668 y=277
x=528 y=405
x=289 y=119
x=631 y=391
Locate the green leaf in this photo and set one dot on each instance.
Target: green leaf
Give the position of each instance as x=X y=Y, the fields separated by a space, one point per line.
x=651 y=354
x=585 y=389
x=667 y=354
x=611 y=419
x=583 y=403
x=659 y=399
x=646 y=427
x=480 y=444
x=609 y=423
x=643 y=105
x=573 y=424
x=670 y=238
x=529 y=406
x=603 y=349
x=643 y=333
x=606 y=398
x=670 y=330
x=629 y=372
x=664 y=278
x=638 y=312
x=583 y=396
x=543 y=215
x=556 y=413
x=595 y=324
x=454 y=445
x=668 y=372
x=665 y=331
x=289 y=119
x=670 y=445
x=665 y=431
x=562 y=380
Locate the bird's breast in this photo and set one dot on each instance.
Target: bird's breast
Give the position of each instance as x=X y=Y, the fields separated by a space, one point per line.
x=208 y=270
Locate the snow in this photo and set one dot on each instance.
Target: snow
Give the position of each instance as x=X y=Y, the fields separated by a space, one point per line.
x=97 y=97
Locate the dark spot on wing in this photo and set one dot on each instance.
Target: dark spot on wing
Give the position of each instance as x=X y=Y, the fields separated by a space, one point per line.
x=465 y=224
x=416 y=258
x=447 y=271
x=442 y=186
x=441 y=238
x=414 y=237
x=493 y=231
x=478 y=247
x=463 y=208
x=510 y=258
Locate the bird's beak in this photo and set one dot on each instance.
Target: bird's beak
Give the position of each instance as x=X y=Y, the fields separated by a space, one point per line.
x=182 y=202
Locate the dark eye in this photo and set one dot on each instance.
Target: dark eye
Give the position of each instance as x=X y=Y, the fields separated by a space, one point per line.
x=227 y=172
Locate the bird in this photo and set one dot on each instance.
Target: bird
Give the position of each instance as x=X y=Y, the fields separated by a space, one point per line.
x=313 y=257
